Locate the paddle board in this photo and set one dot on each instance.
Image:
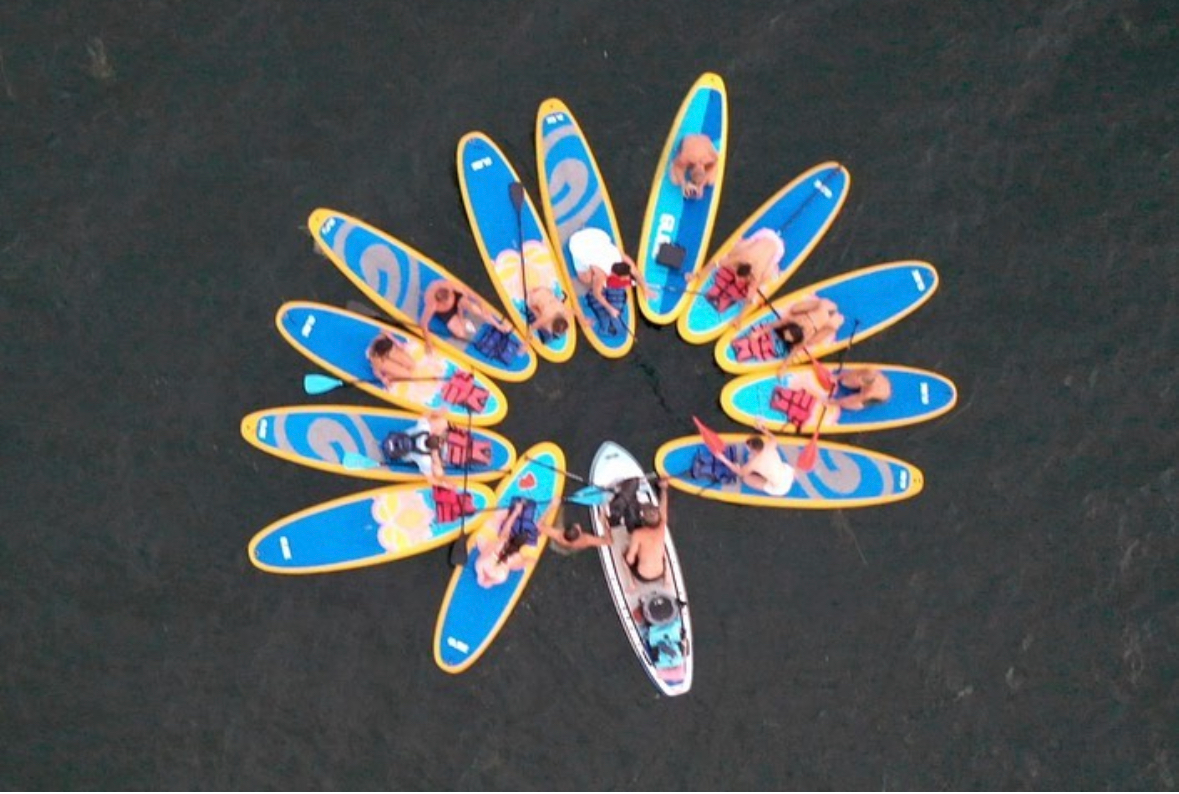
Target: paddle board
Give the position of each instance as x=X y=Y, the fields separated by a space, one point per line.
x=395 y=277
x=486 y=179
x=613 y=464
x=800 y=213
x=917 y=396
x=672 y=219
x=574 y=197
x=877 y=296
x=325 y=436
x=337 y=340
x=362 y=529
x=843 y=476
x=472 y=615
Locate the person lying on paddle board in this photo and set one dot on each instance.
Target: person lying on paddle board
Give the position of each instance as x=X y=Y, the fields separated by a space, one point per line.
x=600 y=265
x=390 y=361
x=550 y=313
x=511 y=548
x=647 y=525
x=421 y=445
x=460 y=311
x=764 y=468
x=694 y=166
x=860 y=387
x=819 y=319
x=743 y=272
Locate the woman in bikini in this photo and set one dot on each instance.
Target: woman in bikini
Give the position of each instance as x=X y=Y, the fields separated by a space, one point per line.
x=503 y=552
x=458 y=310
x=389 y=360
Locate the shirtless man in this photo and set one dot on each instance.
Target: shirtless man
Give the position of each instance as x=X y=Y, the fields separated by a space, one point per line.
x=764 y=468
x=458 y=310
x=752 y=263
x=861 y=387
x=694 y=166
x=550 y=313
x=389 y=360
x=645 y=553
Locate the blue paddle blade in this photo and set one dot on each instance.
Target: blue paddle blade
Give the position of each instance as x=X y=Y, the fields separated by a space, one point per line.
x=590 y=496
x=354 y=460
x=314 y=383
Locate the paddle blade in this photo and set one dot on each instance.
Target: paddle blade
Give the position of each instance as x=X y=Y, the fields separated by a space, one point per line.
x=715 y=444
x=590 y=496
x=516 y=193
x=822 y=374
x=806 y=461
x=354 y=460
x=320 y=384
x=458 y=552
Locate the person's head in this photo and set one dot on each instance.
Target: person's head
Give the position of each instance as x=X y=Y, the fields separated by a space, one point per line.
x=650 y=516
x=697 y=174
x=433 y=443
x=572 y=533
x=382 y=347
x=790 y=333
x=755 y=443
x=443 y=294
x=510 y=547
x=743 y=270
x=559 y=327
x=620 y=269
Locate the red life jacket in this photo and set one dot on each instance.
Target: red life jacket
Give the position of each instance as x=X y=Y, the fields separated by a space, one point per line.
x=461 y=390
x=448 y=506
x=618 y=282
x=457 y=440
x=726 y=289
x=797 y=404
x=757 y=344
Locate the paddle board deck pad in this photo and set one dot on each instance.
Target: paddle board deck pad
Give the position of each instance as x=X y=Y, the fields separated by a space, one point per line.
x=323 y=436
x=671 y=219
x=396 y=277
x=843 y=476
x=367 y=528
x=793 y=402
x=472 y=615
x=800 y=214
x=337 y=341
x=654 y=615
x=878 y=296
x=485 y=179
x=574 y=197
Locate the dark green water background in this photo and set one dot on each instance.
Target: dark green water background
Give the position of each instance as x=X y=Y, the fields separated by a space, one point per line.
x=1015 y=626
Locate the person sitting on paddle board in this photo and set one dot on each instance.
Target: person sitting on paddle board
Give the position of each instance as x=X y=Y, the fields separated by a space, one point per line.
x=860 y=387
x=458 y=310
x=694 y=166
x=764 y=468
x=647 y=525
x=743 y=271
x=550 y=313
x=421 y=445
x=389 y=360
x=506 y=550
x=600 y=265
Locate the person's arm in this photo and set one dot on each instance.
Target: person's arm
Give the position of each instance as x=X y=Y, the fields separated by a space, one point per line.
x=598 y=288
x=424 y=322
x=679 y=169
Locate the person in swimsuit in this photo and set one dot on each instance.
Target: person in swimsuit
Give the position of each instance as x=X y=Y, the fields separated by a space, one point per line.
x=425 y=439
x=389 y=360
x=599 y=264
x=550 y=313
x=503 y=552
x=820 y=321
x=694 y=166
x=645 y=553
x=751 y=264
x=764 y=468
x=574 y=538
x=460 y=311
x=860 y=387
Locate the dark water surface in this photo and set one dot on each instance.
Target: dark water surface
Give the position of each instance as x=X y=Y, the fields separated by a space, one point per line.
x=1015 y=626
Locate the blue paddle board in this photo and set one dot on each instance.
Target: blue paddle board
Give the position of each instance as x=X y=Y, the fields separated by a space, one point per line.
x=485 y=179
x=800 y=213
x=362 y=529
x=843 y=476
x=337 y=340
x=574 y=197
x=395 y=277
x=878 y=297
x=917 y=396
x=672 y=219
x=325 y=436
x=472 y=615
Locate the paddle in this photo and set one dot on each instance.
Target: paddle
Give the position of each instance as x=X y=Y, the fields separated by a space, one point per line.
x=314 y=383
x=715 y=444
x=806 y=460
x=516 y=193
x=458 y=549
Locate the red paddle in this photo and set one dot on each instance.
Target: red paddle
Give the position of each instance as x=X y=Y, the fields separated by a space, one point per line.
x=715 y=443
